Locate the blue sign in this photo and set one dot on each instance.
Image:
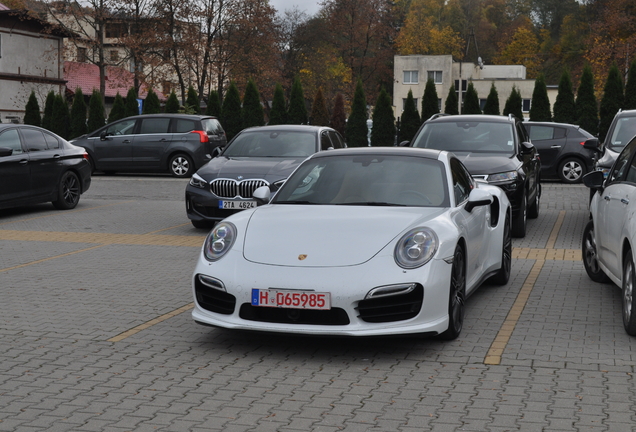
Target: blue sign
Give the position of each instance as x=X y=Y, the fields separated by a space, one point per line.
x=140 y=103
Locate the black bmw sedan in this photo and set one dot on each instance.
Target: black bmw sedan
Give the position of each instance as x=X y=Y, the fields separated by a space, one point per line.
x=38 y=166
x=258 y=156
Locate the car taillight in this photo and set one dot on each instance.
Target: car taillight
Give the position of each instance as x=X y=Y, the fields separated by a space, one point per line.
x=85 y=156
x=203 y=137
x=582 y=143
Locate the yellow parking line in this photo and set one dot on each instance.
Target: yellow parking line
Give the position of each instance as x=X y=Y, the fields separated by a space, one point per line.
x=103 y=238
x=50 y=258
x=150 y=323
x=555 y=230
x=69 y=211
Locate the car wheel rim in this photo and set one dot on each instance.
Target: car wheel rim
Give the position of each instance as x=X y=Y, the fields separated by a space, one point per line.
x=628 y=291
x=507 y=248
x=180 y=166
x=70 y=189
x=572 y=171
x=458 y=282
x=590 y=252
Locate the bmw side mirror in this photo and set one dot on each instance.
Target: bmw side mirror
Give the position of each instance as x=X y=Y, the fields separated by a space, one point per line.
x=5 y=151
x=478 y=197
x=262 y=195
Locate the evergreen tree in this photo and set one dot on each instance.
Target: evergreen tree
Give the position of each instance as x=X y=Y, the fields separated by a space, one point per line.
x=60 y=117
x=430 y=103
x=492 y=102
x=117 y=111
x=172 y=104
x=613 y=100
x=131 y=107
x=514 y=104
x=32 y=111
x=231 y=117
x=297 y=113
x=214 y=104
x=410 y=121
x=383 y=132
x=252 y=108
x=278 y=113
x=319 y=112
x=471 y=103
x=630 y=88
x=151 y=105
x=339 y=118
x=540 y=108
x=564 y=106
x=586 y=108
x=193 y=106
x=356 y=132
x=451 y=104
x=48 y=110
x=78 y=115
x=96 y=117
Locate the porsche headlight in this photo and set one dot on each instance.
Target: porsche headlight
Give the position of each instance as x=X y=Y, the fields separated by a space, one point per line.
x=503 y=177
x=416 y=248
x=219 y=241
x=198 y=182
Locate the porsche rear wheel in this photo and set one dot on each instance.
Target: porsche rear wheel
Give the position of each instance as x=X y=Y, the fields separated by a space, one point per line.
x=457 y=296
x=590 y=257
x=629 y=301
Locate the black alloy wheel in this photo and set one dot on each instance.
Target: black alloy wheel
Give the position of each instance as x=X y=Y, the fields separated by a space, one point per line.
x=590 y=257
x=457 y=296
x=629 y=301
x=69 y=191
x=520 y=222
x=533 y=209
x=503 y=275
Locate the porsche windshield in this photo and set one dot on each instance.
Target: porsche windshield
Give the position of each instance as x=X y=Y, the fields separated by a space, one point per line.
x=467 y=137
x=272 y=144
x=372 y=180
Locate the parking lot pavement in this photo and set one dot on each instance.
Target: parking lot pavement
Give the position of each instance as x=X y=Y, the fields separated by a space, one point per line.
x=96 y=335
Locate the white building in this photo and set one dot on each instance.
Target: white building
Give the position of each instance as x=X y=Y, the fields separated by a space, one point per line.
x=411 y=73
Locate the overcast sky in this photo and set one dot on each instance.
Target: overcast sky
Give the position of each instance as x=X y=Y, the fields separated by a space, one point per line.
x=310 y=7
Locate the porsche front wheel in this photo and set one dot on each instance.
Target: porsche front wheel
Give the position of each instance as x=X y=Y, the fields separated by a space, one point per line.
x=457 y=296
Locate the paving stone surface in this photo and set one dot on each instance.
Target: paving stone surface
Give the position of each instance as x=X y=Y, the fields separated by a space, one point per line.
x=567 y=366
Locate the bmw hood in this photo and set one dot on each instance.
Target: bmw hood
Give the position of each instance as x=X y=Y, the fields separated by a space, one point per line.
x=487 y=163
x=270 y=169
x=326 y=236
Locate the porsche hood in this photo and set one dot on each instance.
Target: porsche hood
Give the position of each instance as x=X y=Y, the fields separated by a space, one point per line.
x=326 y=236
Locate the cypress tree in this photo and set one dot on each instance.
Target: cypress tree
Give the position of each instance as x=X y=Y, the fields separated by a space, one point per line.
x=117 y=111
x=514 y=104
x=252 y=108
x=319 y=112
x=540 y=109
x=231 y=118
x=430 y=104
x=586 y=108
x=214 y=104
x=131 y=107
x=383 y=132
x=151 y=104
x=630 y=88
x=32 y=111
x=48 y=110
x=60 y=117
x=564 y=106
x=96 y=118
x=172 y=104
x=613 y=100
x=278 y=113
x=297 y=113
x=193 y=106
x=451 y=104
x=356 y=132
x=492 y=102
x=410 y=121
x=78 y=115
x=471 y=103
x=339 y=118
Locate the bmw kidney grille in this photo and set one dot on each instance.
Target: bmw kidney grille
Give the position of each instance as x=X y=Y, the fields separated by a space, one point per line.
x=229 y=188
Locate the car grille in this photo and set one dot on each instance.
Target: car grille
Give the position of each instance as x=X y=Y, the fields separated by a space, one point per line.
x=334 y=316
x=213 y=299
x=392 y=308
x=228 y=188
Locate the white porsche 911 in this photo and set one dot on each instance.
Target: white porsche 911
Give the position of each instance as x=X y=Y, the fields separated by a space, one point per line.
x=359 y=241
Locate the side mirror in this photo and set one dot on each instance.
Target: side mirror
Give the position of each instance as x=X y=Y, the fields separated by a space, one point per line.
x=262 y=195
x=405 y=143
x=478 y=197
x=592 y=144
x=594 y=180
x=5 y=151
x=103 y=136
x=526 y=148
x=217 y=151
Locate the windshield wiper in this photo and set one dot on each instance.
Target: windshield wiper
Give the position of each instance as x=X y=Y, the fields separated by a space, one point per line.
x=294 y=202
x=373 y=203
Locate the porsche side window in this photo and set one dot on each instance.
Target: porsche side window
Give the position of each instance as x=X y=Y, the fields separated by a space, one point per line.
x=461 y=182
x=619 y=170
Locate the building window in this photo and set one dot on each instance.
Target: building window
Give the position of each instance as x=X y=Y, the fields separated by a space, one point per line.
x=114 y=55
x=439 y=104
x=116 y=30
x=411 y=77
x=436 y=76
x=404 y=104
x=81 y=54
x=525 y=105
x=482 y=104
x=464 y=86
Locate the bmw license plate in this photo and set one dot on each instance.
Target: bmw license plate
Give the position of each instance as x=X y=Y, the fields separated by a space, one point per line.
x=291 y=299
x=237 y=205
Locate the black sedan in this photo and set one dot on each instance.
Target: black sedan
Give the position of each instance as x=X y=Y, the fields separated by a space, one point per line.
x=38 y=166
x=259 y=156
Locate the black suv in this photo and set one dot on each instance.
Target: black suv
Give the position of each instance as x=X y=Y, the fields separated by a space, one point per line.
x=175 y=143
x=495 y=149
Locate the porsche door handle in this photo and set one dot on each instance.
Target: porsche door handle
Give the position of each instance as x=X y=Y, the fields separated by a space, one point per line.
x=625 y=201
x=607 y=198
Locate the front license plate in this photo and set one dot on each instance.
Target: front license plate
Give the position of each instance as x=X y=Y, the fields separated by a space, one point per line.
x=237 y=205
x=291 y=299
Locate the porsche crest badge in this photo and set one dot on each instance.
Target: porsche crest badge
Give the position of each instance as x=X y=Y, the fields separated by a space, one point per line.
x=302 y=257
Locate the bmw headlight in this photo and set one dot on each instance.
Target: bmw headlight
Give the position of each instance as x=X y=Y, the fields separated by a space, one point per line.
x=416 y=248
x=219 y=241
x=198 y=182
x=503 y=177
